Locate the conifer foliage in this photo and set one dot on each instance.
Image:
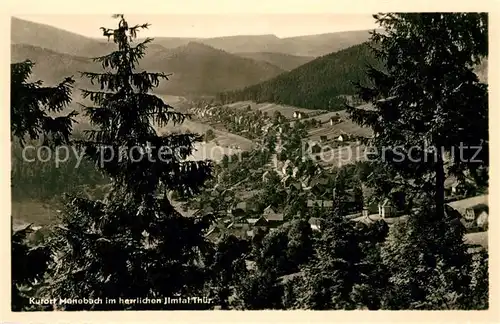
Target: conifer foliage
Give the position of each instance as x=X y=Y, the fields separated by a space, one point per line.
x=31 y=104
x=134 y=243
x=428 y=101
x=429 y=104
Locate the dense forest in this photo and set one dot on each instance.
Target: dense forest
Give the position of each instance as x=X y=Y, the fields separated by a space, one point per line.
x=319 y=84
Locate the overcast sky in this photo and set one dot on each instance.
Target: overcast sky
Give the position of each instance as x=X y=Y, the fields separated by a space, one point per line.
x=184 y=25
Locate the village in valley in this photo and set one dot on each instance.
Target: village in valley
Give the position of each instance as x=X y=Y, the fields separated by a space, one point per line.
x=326 y=132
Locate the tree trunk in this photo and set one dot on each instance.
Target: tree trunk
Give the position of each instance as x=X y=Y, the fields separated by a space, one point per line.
x=440 y=177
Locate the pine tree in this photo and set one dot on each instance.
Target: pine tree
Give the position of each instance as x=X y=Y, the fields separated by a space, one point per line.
x=32 y=110
x=428 y=100
x=134 y=243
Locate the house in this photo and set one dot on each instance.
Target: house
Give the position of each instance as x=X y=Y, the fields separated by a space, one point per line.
x=239 y=210
x=257 y=222
x=217 y=230
x=482 y=220
x=341 y=138
x=348 y=200
x=286 y=166
x=273 y=219
x=315 y=223
x=214 y=233
x=315 y=148
x=320 y=203
x=334 y=120
x=327 y=204
x=265 y=128
x=386 y=209
x=474 y=211
x=455 y=187
x=254 y=223
x=477 y=217
x=298 y=115
x=238 y=229
x=478 y=241
x=314 y=203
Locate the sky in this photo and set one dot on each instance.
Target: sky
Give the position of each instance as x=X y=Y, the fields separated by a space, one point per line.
x=213 y=25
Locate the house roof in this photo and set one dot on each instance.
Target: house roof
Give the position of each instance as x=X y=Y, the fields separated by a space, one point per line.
x=315 y=221
x=274 y=217
x=271 y=215
x=450 y=181
x=268 y=210
x=462 y=205
x=479 y=209
x=386 y=203
x=250 y=265
x=236 y=225
x=212 y=231
x=241 y=205
x=452 y=213
x=479 y=238
x=286 y=278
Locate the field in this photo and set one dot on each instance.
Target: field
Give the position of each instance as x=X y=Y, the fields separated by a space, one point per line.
x=271 y=108
x=33 y=211
x=338 y=153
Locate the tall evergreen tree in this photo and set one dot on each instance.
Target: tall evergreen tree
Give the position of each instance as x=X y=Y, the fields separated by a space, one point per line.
x=32 y=110
x=428 y=104
x=134 y=243
x=429 y=97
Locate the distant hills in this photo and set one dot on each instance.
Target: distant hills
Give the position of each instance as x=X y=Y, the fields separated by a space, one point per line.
x=197 y=69
x=310 y=45
x=198 y=66
x=319 y=84
x=201 y=69
x=52 y=67
x=259 y=68
x=285 y=62
x=58 y=40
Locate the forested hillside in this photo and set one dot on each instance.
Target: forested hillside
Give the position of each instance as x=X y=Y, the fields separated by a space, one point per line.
x=286 y=62
x=315 y=85
x=196 y=69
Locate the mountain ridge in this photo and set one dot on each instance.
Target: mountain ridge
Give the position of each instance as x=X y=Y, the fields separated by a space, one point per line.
x=197 y=69
x=62 y=41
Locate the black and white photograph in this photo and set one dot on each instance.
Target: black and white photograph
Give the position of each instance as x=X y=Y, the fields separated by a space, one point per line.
x=249 y=161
